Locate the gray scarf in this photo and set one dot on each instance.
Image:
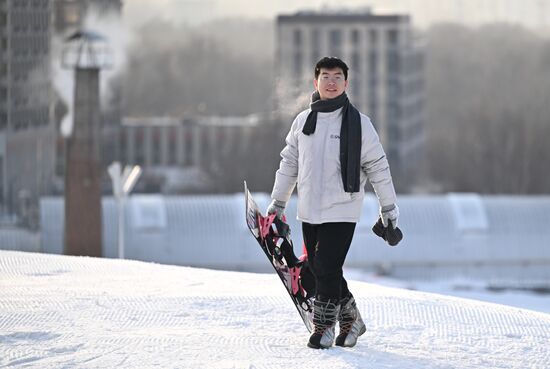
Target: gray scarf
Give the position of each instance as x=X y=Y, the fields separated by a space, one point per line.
x=350 y=135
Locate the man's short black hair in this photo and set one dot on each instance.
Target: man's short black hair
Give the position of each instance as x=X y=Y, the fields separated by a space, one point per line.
x=331 y=62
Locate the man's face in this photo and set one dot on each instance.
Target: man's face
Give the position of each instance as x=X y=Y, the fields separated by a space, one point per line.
x=331 y=83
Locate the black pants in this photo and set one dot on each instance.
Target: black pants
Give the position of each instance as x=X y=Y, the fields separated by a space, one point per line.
x=327 y=245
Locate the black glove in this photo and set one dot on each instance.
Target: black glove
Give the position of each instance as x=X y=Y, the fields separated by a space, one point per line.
x=391 y=235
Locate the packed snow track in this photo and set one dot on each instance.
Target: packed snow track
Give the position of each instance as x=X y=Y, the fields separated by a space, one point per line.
x=77 y=312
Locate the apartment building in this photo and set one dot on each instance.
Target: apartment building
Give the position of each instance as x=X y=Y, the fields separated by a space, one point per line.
x=26 y=130
x=29 y=132
x=386 y=80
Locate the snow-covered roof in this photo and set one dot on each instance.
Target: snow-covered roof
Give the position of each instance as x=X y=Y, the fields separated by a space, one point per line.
x=442 y=234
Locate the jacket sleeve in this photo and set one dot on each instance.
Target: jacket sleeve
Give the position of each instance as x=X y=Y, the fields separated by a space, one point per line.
x=287 y=174
x=375 y=165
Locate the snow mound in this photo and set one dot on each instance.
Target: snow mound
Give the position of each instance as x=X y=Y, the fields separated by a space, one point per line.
x=78 y=312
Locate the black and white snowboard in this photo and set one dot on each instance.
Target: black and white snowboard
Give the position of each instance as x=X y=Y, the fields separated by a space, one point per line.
x=273 y=235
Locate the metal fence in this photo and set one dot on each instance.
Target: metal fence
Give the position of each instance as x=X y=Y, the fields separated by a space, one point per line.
x=503 y=237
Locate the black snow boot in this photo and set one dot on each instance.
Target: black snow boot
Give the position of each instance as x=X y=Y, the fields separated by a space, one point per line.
x=350 y=321
x=325 y=314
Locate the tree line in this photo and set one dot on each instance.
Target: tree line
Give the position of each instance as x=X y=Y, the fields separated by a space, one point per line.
x=488 y=109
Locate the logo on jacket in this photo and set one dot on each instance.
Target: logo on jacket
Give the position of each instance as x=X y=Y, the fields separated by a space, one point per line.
x=335 y=136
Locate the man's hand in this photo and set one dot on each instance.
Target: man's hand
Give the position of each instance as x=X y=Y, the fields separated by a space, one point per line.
x=389 y=213
x=277 y=207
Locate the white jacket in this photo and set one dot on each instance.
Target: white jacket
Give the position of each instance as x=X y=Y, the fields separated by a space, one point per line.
x=313 y=163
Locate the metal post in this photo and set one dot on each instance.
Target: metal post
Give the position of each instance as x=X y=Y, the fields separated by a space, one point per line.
x=121 y=225
x=123 y=183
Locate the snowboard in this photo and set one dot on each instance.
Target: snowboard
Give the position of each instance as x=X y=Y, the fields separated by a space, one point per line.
x=273 y=236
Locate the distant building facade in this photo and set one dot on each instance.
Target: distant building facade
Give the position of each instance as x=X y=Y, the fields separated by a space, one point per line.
x=27 y=133
x=386 y=80
x=178 y=155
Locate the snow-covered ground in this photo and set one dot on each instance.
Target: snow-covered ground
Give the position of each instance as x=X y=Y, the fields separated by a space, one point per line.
x=77 y=312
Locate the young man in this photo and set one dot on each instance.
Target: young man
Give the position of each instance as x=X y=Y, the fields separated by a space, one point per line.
x=331 y=151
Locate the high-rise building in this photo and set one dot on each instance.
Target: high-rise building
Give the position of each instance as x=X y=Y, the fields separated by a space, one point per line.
x=29 y=133
x=386 y=80
x=26 y=130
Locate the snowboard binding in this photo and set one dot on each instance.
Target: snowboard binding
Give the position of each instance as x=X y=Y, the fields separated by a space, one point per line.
x=275 y=234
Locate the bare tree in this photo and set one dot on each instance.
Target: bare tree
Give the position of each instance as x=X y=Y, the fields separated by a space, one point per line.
x=177 y=70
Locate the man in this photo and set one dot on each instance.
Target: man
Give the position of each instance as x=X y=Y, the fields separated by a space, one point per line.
x=331 y=151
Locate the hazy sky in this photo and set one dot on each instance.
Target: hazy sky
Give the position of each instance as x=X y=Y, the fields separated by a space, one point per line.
x=532 y=13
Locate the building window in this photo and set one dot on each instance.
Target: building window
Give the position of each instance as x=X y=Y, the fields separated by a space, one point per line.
x=335 y=42
x=139 y=153
x=394 y=132
x=373 y=65
x=297 y=38
x=373 y=105
x=393 y=37
x=109 y=152
x=355 y=87
x=315 y=45
x=355 y=38
x=3 y=19
x=123 y=139
x=3 y=119
x=394 y=112
x=156 y=145
x=394 y=89
x=335 y=37
x=172 y=143
x=188 y=142
x=394 y=62
x=373 y=37
x=373 y=85
x=298 y=64
x=356 y=62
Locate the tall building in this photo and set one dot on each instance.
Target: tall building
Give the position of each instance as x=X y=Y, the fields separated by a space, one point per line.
x=29 y=145
x=386 y=80
x=26 y=130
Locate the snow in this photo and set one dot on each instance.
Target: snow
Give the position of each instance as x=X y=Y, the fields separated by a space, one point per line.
x=77 y=312
x=469 y=288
